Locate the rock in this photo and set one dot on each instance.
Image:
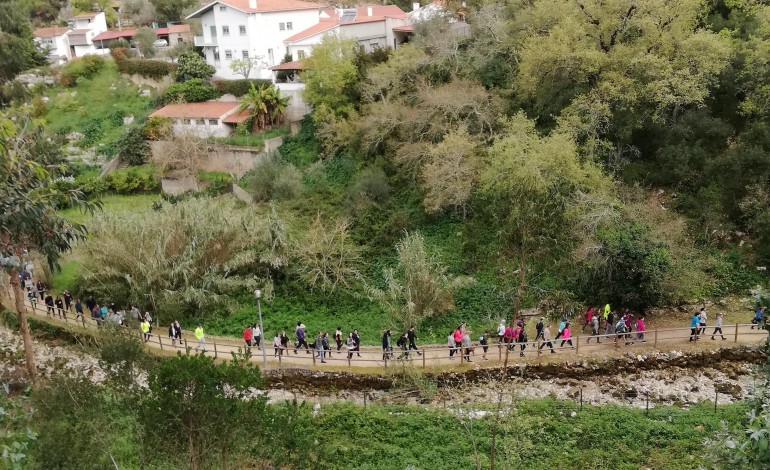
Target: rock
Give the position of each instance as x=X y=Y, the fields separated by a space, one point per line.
x=674 y=355
x=73 y=136
x=127 y=120
x=144 y=92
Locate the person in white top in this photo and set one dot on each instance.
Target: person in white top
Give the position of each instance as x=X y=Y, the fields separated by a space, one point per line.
x=702 y=317
x=500 y=332
x=256 y=334
x=718 y=326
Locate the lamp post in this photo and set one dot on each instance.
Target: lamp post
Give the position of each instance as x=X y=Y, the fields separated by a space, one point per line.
x=258 y=295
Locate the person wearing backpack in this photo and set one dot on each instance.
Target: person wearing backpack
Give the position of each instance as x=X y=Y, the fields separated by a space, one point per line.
x=594 y=329
x=522 y=337
x=484 y=342
x=620 y=329
x=566 y=335
x=387 y=349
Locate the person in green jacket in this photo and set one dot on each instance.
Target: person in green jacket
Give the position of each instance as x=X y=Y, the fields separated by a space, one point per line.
x=200 y=337
x=145 y=326
x=606 y=311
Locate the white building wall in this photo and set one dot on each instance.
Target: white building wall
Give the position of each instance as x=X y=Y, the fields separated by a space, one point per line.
x=201 y=130
x=263 y=37
x=96 y=23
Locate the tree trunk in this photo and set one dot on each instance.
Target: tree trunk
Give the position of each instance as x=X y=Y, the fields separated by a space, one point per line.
x=21 y=311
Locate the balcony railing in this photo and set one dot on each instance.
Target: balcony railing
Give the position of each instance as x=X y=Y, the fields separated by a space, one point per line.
x=202 y=41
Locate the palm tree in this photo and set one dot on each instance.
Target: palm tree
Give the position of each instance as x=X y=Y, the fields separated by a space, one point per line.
x=265 y=105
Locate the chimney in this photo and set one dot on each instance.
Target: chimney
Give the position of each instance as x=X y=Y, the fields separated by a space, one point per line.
x=369 y=11
x=253 y=4
x=415 y=6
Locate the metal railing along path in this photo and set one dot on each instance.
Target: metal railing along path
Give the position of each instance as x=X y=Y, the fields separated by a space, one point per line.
x=427 y=356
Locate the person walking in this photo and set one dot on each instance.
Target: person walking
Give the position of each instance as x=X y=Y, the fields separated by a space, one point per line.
x=41 y=289
x=145 y=327
x=521 y=336
x=256 y=335
x=32 y=295
x=172 y=334
x=326 y=345
x=386 y=347
x=67 y=299
x=451 y=344
x=484 y=342
x=702 y=317
x=718 y=326
x=566 y=336
x=248 y=335
x=60 y=306
x=500 y=332
x=301 y=340
x=467 y=346
x=539 y=330
x=509 y=337
x=319 y=347
x=200 y=337
x=587 y=318
x=284 y=343
x=606 y=312
x=402 y=344
x=458 y=334
x=694 y=326
x=49 y=305
x=412 y=337
x=357 y=339
x=758 y=316
x=148 y=317
x=276 y=343
x=79 y=310
x=562 y=325
x=350 y=344
x=178 y=332
x=338 y=338
x=640 y=328
x=594 y=329
x=610 y=324
x=547 y=339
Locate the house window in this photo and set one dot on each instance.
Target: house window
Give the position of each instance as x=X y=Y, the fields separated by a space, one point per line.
x=245 y=54
x=179 y=40
x=300 y=54
x=200 y=122
x=216 y=56
x=282 y=26
x=221 y=8
x=362 y=47
x=229 y=54
x=270 y=58
x=225 y=30
x=289 y=26
x=186 y=121
x=242 y=30
x=213 y=122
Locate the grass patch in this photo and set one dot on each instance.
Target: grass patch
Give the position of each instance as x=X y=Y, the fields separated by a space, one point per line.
x=65 y=279
x=113 y=203
x=96 y=107
x=252 y=140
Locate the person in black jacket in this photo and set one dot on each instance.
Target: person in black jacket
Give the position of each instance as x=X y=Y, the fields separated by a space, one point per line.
x=401 y=343
x=49 y=305
x=387 y=349
x=539 y=329
x=357 y=340
x=60 y=306
x=412 y=336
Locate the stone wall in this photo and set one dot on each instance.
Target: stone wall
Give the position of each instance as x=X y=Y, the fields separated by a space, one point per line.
x=225 y=158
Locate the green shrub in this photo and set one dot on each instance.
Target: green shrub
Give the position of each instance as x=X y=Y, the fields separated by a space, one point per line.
x=301 y=149
x=133 y=149
x=192 y=65
x=91 y=133
x=118 y=44
x=191 y=91
x=273 y=180
x=156 y=128
x=82 y=68
x=154 y=69
x=239 y=87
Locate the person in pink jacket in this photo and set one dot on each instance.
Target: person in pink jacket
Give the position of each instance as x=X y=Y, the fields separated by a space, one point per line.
x=566 y=336
x=640 y=328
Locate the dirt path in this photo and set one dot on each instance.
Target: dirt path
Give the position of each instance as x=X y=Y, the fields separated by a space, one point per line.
x=437 y=357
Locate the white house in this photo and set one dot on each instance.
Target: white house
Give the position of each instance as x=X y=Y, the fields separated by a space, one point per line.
x=85 y=26
x=235 y=29
x=55 y=41
x=373 y=27
x=205 y=119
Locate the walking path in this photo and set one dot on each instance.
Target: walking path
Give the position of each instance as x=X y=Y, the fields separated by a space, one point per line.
x=435 y=356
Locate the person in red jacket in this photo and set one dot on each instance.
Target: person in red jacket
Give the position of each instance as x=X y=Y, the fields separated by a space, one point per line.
x=248 y=335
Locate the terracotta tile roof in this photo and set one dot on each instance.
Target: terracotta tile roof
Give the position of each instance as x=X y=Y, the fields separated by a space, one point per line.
x=50 y=32
x=404 y=29
x=293 y=65
x=110 y=35
x=332 y=19
x=236 y=118
x=263 y=6
x=204 y=110
x=179 y=28
x=89 y=14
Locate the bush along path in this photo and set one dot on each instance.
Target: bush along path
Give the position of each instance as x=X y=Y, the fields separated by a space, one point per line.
x=370 y=359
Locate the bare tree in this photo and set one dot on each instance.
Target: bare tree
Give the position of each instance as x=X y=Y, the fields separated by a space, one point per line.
x=183 y=155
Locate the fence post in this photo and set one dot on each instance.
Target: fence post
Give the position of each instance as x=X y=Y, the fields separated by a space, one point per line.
x=280 y=355
x=185 y=344
x=581 y=398
x=385 y=356
x=215 y=349
x=424 y=353
x=313 y=358
x=736 y=332
x=460 y=350
x=499 y=352
x=655 y=344
x=716 y=398
x=577 y=353
x=537 y=345
x=349 y=356
x=160 y=342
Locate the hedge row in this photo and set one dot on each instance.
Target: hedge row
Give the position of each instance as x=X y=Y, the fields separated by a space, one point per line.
x=154 y=69
x=239 y=87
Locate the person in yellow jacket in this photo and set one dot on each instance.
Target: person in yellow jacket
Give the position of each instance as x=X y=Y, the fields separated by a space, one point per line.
x=200 y=337
x=145 y=327
x=606 y=311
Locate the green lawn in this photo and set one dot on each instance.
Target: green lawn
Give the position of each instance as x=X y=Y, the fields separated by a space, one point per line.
x=114 y=203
